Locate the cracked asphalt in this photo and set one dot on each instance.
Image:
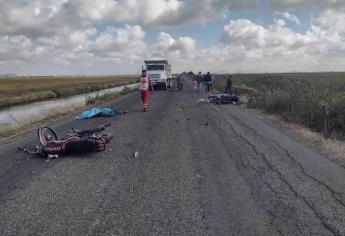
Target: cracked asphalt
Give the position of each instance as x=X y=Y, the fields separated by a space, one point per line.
x=202 y=169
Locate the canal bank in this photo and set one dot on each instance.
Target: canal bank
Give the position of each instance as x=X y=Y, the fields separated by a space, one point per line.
x=16 y=118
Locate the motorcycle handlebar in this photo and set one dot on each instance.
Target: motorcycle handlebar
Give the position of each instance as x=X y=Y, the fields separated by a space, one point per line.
x=91 y=131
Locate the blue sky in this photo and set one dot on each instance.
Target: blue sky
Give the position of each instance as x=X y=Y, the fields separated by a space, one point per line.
x=115 y=36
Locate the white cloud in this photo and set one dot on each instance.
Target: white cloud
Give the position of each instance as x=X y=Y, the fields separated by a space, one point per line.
x=15 y=48
x=39 y=17
x=90 y=9
x=144 y=11
x=202 y=11
x=110 y=34
x=329 y=28
x=167 y=46
x=36 y=17
x=88 y=45
x=289 y=17
x=290 y=4
x=251 y=47
x=277 y=47
x=120 y=42
x=244 y=31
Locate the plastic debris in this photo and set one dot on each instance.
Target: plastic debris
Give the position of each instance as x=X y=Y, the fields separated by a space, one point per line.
x=51 y=157
x=203 y=100
x=136 y=155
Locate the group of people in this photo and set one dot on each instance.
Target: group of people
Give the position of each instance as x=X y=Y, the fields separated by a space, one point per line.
x=200 y=83
x=203 y=82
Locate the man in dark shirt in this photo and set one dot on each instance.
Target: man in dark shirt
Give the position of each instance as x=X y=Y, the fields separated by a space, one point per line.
x=228 y=89
x=208 y=80
x=198 y=82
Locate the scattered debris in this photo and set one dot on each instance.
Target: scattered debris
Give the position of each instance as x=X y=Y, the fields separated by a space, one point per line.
x=50 y=157
x=202 y=100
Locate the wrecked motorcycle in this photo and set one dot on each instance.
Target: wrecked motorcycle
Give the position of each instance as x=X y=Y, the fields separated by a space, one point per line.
x=224 y=98
x=75 y=142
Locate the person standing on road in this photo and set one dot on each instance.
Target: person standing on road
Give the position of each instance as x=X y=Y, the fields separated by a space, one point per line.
x=198 y=82
x=145 y=87
x=194 y=82
x=228 y=89
x=203 y=82
x=212 y=82
x=179 y=81
x=208 y=80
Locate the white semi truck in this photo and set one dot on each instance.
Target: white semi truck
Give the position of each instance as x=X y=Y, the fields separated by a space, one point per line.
x=160 y=73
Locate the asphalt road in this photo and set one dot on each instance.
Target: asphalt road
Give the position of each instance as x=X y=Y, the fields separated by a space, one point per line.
x=202 y=169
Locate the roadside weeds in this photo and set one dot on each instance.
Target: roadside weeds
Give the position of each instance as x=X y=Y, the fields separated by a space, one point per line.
x=332 y=146
x=335 y=146
x=322 y=138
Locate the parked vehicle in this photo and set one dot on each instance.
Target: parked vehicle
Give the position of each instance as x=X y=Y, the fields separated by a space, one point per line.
x=160 y=73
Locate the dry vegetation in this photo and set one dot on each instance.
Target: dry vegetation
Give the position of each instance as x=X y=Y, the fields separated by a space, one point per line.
x=21 y=90
x=314 y=100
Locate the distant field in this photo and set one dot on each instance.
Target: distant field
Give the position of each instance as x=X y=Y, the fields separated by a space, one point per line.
x=315 y=100
x=21 y=90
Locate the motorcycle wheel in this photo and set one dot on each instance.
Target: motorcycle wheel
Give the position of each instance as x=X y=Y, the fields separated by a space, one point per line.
x=46 y=134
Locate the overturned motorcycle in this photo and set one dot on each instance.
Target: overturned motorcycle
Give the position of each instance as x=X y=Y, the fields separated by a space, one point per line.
x=75 y=142
x=224 y=98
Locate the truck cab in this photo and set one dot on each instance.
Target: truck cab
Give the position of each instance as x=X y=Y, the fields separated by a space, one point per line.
x=160 y=73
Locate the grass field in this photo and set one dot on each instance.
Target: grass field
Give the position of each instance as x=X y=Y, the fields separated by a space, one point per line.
x=21 y=90
x=315 y=100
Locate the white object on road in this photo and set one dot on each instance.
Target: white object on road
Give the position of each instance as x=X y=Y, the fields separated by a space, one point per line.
x=202 y=100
